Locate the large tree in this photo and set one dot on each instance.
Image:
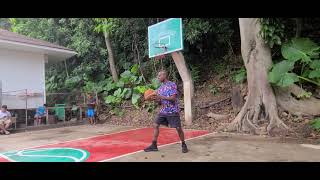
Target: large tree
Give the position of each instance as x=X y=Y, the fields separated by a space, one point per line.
x=262 y=101
x=105 y=25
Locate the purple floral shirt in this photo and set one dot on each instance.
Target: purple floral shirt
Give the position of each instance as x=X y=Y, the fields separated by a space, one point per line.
x=168 y=89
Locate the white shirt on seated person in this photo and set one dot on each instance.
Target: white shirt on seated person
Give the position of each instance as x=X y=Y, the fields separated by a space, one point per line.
x=5 y=115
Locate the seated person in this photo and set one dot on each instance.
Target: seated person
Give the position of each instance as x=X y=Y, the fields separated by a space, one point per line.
x=91 y=109
x=5 y=120
x=40 y=114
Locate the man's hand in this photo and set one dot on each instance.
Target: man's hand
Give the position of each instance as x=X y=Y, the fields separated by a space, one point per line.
x=171 y=98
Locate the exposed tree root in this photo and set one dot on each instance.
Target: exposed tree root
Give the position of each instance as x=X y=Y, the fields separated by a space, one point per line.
x=287 y=101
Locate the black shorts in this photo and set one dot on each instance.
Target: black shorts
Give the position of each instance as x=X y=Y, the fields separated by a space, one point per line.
x=172 y=120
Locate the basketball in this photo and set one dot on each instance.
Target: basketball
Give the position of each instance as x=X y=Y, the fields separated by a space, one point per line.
x=148 y=94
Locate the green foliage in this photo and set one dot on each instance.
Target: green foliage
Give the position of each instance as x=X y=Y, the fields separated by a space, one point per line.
x=117 y=112
x=195 y=73
x=105 y=25
x=280 y=74
x=240 y=76
x=213 y=89
x=272 y=31
x=150 y=106
x=304 y=94
x=195 y=28
x=302 y=49
x=301 y=53
x=315 y=124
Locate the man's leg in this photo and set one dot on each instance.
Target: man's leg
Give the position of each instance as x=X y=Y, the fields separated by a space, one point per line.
x=183 y=144
x=180 y=133
x=2 y=127
x=155 y=132
x=7 y=124
x=153 y=146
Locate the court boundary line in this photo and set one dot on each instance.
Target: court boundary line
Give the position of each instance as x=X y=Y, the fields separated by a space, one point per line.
x=39 y=146
x=161 y=146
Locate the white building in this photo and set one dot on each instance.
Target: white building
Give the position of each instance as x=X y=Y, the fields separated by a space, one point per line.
x=22 y=68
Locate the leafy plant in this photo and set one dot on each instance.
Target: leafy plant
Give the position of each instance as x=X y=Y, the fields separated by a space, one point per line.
x=213 y=89
x=128 y=87
x=304 y=94
x=195 y=73
x=272 y=31
x=117 y=112
x=150 y=106
x=240 y=75
x=299 y=52
x=315 y=124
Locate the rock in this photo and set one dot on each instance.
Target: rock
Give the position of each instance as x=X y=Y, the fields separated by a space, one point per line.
x=217 y=116
x=136 y=119
x=73 y=119
x=103 y=117
x=284 y=114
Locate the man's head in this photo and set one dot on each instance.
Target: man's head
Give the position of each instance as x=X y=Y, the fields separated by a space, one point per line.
x=162 y=76
x=45 y=105
x=4 y=108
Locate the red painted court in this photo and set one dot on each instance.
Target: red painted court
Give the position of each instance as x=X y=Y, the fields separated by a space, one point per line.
x=109 y=146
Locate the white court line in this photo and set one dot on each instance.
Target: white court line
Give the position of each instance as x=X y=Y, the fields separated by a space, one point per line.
x=311 y=146
x=20 y=153
x=128 y=154
x=7 y=158
x=75 y=139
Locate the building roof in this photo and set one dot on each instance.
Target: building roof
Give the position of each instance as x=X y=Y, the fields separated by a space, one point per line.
x=14 y=37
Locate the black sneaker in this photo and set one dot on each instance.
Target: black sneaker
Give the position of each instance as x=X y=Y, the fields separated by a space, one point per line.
x=184 y=148
x=152 y=147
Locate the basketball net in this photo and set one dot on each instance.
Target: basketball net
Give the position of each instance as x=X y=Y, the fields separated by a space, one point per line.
x=162 y=56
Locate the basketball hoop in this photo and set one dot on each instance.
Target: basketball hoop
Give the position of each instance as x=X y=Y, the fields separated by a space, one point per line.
x=164 y=49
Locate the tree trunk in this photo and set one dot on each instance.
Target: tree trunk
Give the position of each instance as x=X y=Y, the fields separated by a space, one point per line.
x=260 y=106
x=111 y=58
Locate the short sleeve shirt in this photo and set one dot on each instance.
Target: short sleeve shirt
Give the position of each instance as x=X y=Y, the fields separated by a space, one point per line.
x=91 y=103
x=168 y=89
x=41 y=110
x=4 y=115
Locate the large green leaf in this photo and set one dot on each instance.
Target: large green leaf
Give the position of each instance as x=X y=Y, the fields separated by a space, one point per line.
x=110 y=99
x=287 y=79
x=110 y=86
x=117 y=93
x=120 y=83
x=299 y=49
x=126 y=93
x=140 y=89
x=135 y=69
x=135 y=98
x=314 y=74
x=125 y=77
x=315 y=64
x=126 y=74
x=279 y=70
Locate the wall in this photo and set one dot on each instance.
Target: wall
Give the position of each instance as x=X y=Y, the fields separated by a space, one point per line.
x=22 y=70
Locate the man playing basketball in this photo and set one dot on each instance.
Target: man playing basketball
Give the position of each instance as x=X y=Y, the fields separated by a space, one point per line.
x=167 y=96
